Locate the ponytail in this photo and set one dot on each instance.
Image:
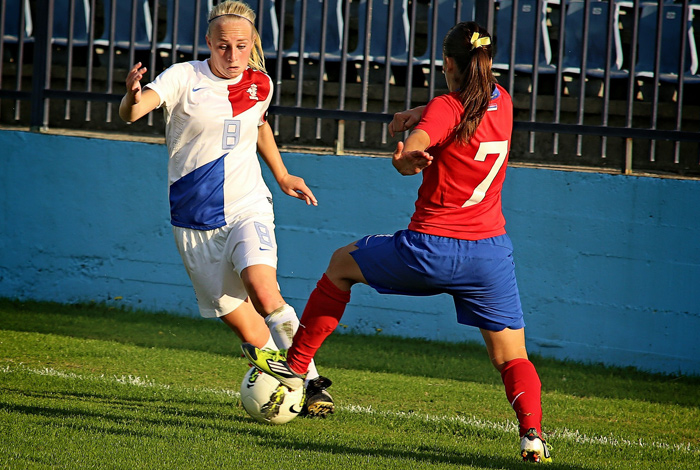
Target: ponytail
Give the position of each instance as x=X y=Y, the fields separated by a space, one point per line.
x=469 y=45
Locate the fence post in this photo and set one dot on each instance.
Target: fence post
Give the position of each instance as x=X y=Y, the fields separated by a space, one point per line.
x=43 y=27
x=484 y=13
x=627 y=163
x=340 y=141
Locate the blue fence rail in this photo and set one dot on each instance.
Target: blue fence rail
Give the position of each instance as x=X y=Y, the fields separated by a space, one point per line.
x=595 y=83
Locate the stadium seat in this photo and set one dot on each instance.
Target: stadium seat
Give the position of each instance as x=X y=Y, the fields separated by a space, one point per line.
x=191 y=26
x=524 y=37
x=379 y=39
x=671 y=31
x=596 y=40
x=13 y=11
x=62 y=22
x=124 y=17
x=314 y=21
x=187 y=18
x=446 y=19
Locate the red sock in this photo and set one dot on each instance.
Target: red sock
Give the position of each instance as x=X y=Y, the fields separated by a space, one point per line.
x=524 y=390
x=321 y=316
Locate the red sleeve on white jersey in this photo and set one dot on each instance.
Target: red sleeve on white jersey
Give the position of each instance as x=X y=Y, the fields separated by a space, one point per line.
x=254 y=87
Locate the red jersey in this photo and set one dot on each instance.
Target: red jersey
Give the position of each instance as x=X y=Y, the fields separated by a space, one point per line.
x=460 y=196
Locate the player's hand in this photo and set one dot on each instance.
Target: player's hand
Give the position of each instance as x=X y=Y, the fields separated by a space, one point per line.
x=296 y=187
x=412 y=162
x=405 y=120
x=133 y=82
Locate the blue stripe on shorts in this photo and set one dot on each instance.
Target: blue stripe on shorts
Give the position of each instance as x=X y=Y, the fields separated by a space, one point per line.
x=479 y=275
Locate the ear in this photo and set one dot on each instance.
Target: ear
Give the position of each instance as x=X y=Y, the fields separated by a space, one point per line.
x=449 y=64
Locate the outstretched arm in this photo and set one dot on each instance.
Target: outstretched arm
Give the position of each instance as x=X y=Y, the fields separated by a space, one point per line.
x=136 y=103
x=411 y=158
x=290 y=184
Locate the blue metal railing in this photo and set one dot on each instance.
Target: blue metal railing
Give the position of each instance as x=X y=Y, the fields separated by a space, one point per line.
x=533 y=41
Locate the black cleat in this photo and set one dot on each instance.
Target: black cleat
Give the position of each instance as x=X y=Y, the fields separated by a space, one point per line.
x=319 y=402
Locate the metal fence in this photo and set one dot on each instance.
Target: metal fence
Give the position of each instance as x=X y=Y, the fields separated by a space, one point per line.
x=603 y=84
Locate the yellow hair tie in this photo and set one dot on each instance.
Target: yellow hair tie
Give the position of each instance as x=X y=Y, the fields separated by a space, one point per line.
x=478 y=42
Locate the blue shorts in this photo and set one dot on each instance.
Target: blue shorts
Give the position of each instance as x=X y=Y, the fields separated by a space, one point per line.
x=479 y=275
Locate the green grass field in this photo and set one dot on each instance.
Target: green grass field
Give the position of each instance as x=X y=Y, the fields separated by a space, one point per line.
x=91 y=386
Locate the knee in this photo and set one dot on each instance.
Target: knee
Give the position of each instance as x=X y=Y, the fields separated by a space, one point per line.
x=339 y=269
x=337 y=261
x=265 y=296
x=264 y=299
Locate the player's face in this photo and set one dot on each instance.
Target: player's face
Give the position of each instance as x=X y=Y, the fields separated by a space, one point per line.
x=231 y=44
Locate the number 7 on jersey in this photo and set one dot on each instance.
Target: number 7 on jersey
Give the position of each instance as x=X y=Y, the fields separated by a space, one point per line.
x=499 y=148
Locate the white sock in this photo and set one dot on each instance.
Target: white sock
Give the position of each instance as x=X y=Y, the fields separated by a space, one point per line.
x=283 y=324
x=270 y=344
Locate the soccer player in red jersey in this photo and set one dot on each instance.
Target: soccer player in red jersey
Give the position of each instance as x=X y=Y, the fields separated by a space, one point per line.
x=456 y=242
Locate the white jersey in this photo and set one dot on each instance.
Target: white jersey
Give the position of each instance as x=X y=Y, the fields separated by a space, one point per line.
x=211 y=131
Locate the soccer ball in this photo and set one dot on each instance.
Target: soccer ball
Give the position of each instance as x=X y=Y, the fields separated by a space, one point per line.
x=267 y=400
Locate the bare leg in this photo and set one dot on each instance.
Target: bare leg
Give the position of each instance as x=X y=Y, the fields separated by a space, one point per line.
x=504 y=346
x=523 y=388
x=324 y=308
x=248 y=325
x=342 y=270
x=260 y=283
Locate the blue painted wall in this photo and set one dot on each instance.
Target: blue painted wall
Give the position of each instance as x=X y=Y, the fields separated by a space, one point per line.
x=608 y=265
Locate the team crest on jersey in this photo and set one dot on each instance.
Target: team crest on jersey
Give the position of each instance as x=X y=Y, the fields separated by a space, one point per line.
x=253 y=92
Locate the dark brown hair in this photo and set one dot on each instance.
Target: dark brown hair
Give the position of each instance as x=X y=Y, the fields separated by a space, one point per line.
x=474 y=74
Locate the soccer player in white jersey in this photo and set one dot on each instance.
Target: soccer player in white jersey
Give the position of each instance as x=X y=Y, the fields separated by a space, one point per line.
x=221 y=209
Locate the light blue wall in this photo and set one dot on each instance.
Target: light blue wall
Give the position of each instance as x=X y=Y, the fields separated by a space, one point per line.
x=608 y=266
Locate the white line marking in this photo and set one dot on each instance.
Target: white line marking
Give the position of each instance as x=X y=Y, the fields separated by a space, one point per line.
x=505 y=427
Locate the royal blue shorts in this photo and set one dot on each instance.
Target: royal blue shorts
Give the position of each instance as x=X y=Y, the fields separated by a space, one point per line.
x=479 y=275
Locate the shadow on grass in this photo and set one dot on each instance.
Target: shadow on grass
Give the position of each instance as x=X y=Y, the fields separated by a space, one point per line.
x=421 y=454
x=358 y=352
x=147 y=418
x=113 y=323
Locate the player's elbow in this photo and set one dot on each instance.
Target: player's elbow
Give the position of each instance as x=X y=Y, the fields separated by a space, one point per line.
x=125 y=114
x=129 y=112
x=128 y=115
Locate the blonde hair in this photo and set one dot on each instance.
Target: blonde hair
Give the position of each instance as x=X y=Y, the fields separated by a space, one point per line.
x=240 y=10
